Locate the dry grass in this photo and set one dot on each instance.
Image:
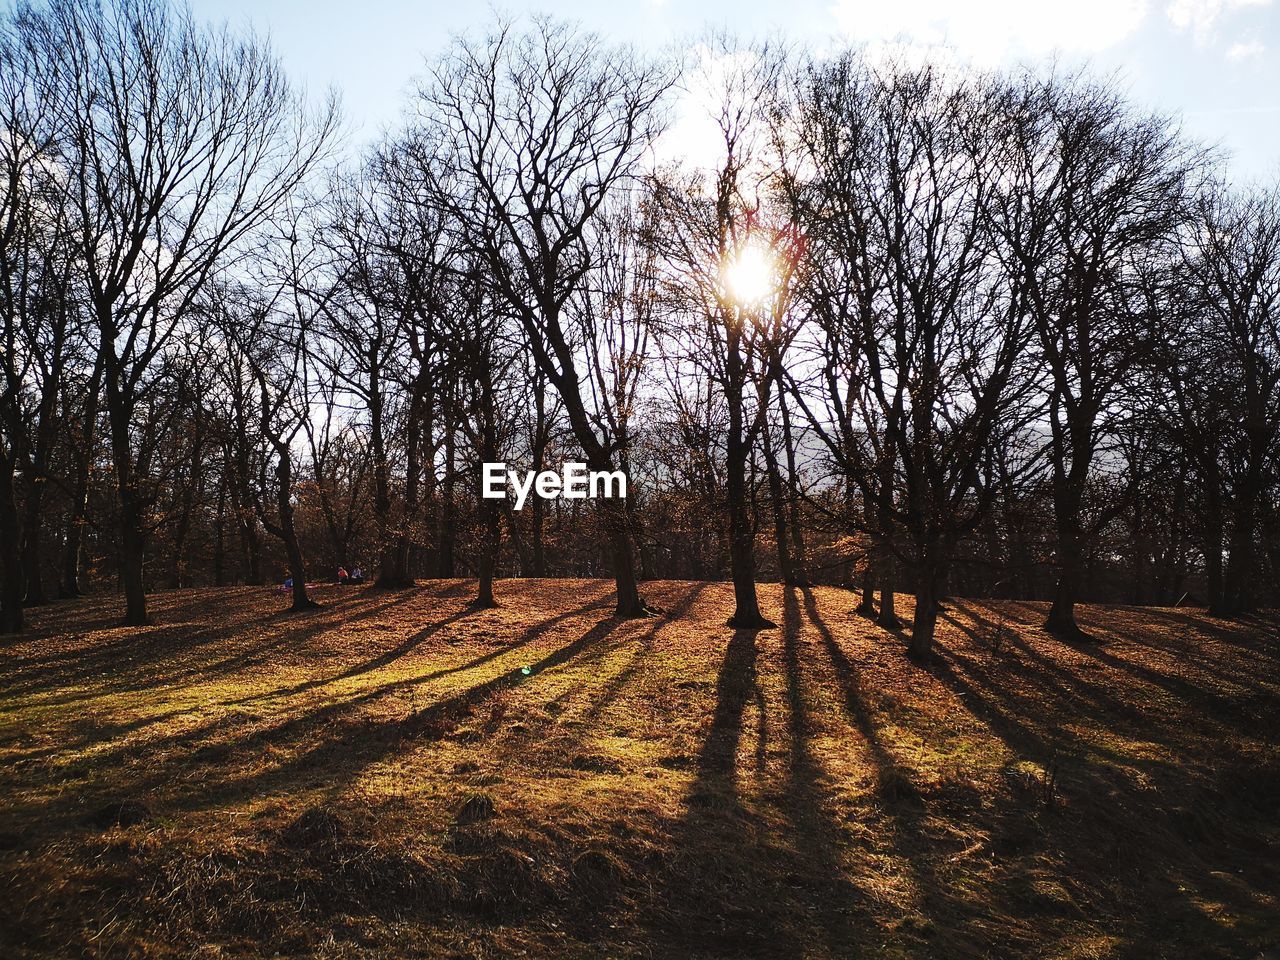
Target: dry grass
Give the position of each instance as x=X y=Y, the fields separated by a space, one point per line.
x=380 y=778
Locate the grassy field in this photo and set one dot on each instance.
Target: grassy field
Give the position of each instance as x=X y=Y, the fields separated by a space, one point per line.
x=395 y=775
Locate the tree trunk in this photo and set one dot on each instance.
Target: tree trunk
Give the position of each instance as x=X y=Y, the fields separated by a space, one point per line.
x=614 y=517
x=178 y=575
x=391 y=572
x=219 y=537
x=1068 y=506
x=867 y=605
x=538 y=512
x=491 y=532
x=888 y=615
x=402 y=561
x=193 y=491
x=599 y=457
x=251 y=541
x=799 y=561
x=132 y=505
x=1238 y=585
x=928 y=593
x=488 y=562
x=1141 y=549
x=247 y=528
x=786 y=573
x=12 y=587
x=74 y=545
x=742 y=561
x=32 y=542
x=426 y=555
x=746 y=613
x=133 y=559
x=444 y=559
x=1212 y=543
x=284 y=508
x=1062 y=616
x=882 y=554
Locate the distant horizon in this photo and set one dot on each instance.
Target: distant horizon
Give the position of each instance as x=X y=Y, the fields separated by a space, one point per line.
x=1210 y=63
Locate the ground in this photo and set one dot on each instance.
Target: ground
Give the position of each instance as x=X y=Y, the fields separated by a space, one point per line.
x=397 y=775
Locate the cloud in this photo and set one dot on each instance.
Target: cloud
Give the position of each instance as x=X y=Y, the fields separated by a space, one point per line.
x=1201 y=16
x=992 y=31
x=1246 y=51
x=694 y=137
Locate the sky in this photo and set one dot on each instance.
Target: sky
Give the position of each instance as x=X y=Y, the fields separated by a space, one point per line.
x=1214 y=63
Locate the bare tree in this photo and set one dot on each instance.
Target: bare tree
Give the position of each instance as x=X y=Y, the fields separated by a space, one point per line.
x=37 y=308
x=1097 y=187
x=921 y=329
x=365 y=339
x=268 y=338
x=180 y=141
x=730 y=264
x=1232 y=419
x=541 y=127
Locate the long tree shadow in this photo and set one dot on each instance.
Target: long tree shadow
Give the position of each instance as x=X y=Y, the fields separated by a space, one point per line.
x=1254 y=632
x=709 y=899
x=850 y=686
x=643 y=644
x=384 y=659
x=898 y=798
x=103 y=734
x=1011 y=705
x=150 y=657
x=1010 y=823
x=1057 y=683
x=817 y=838
x=223 y=738
x=1212 y=706
x=1248 y=640
x=1130 y=803
x=347 y=746
x=415 y=640
x=351 y=745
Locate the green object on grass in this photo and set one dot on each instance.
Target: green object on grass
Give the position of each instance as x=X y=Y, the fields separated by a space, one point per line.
x=526 y=670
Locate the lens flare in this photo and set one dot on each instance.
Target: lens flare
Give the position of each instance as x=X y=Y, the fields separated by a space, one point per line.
x=749 y=277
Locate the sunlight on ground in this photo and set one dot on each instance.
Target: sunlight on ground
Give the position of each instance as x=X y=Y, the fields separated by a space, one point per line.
x=382 y=772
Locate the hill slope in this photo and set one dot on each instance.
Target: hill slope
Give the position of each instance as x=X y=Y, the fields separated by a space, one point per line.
x=394 y=775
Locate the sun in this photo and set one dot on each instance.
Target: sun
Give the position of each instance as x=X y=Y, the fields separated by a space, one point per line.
x=749 y=277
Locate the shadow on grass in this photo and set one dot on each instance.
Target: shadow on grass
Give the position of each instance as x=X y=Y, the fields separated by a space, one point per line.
x=709 y=899
x=753 y=863
x=148 y=657
x=330 y=727
x=757 y=873
x=818 y=840
x=413 y=642
x=643 y=643
x=344 y=746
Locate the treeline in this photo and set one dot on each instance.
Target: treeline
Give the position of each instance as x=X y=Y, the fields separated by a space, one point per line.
x=914 y=330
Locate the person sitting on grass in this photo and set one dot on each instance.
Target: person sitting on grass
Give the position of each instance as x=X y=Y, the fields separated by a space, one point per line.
x=342 y=575
x=357 y=575
x=287 y=585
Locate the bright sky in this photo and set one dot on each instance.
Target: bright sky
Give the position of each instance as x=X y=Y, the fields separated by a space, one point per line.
x=1216 y=62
